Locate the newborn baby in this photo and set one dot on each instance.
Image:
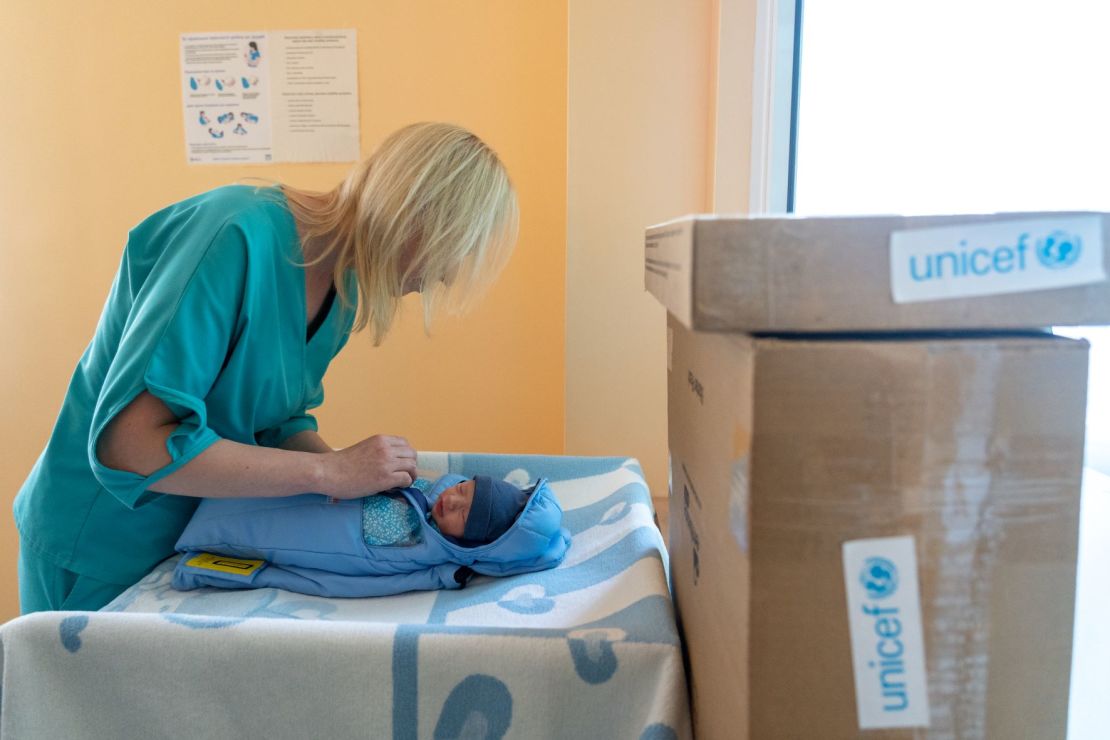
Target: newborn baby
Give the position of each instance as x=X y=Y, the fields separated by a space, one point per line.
x=472 y=512
x=428 y=536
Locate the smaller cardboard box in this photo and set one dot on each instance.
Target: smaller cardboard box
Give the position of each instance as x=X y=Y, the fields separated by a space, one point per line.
x=876 y=538
x=881 y=273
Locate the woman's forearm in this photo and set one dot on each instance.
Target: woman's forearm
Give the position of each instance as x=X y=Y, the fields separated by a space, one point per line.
x=233 y=470
x=135 y=440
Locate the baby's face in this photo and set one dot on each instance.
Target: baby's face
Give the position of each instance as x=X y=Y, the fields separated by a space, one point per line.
x=453 y=507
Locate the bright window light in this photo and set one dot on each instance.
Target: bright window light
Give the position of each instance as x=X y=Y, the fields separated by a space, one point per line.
x=953 y=106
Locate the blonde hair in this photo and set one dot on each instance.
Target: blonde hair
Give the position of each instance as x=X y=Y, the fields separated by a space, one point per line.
x=434 y=204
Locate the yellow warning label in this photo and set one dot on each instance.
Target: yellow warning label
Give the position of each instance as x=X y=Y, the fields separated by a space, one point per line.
x=238 y=566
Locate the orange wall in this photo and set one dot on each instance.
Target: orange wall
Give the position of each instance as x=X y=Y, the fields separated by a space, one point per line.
x=91 y=142
x=638 y=142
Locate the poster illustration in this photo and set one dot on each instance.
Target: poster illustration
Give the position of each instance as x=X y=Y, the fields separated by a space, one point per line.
x=281 y=96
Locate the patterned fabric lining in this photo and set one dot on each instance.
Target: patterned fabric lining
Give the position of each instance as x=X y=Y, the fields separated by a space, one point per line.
x=390 y=520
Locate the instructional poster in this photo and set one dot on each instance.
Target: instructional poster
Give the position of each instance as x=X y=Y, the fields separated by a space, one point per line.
x=278 y=96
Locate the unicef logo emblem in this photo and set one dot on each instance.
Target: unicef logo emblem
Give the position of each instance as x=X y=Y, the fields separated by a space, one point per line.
x=879 y=577
x=1059 y=250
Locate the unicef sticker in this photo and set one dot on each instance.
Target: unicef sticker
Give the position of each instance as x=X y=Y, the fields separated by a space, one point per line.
x=1059 y=250
x=885 y=626
x=996 y=257
x=879 y=577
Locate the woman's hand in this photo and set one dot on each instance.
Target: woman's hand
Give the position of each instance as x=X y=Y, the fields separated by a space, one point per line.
x=373 y=465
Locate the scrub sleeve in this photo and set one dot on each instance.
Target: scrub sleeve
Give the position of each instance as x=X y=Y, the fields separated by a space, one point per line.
x=173 y=348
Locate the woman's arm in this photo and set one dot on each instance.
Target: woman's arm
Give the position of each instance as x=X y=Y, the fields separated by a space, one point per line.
x=135 y=440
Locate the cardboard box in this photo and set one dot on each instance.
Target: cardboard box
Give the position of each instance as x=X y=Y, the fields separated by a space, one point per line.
x=881 y=273
x=784 y=450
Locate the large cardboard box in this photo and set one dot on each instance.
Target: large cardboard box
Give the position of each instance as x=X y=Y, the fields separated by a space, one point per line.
x=787 y=455
x=880 y=273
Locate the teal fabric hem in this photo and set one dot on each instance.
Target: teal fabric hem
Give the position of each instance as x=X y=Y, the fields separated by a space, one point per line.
x=276 y=436
x=132 y=489
x=46 y=586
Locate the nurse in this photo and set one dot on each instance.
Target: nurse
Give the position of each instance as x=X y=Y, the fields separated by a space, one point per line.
x=223 y=317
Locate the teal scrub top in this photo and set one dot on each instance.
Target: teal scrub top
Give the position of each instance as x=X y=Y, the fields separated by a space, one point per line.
x=207 y=312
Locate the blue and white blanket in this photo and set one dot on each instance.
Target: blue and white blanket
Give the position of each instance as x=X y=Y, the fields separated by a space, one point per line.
x=587 y=650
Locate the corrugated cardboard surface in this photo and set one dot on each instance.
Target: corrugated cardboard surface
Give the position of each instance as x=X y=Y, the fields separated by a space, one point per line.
x=973 y=446
x=832 y=274
x=709 y=446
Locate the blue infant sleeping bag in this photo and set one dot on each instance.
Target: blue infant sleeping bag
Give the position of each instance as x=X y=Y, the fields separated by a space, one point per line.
x=314 y=545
